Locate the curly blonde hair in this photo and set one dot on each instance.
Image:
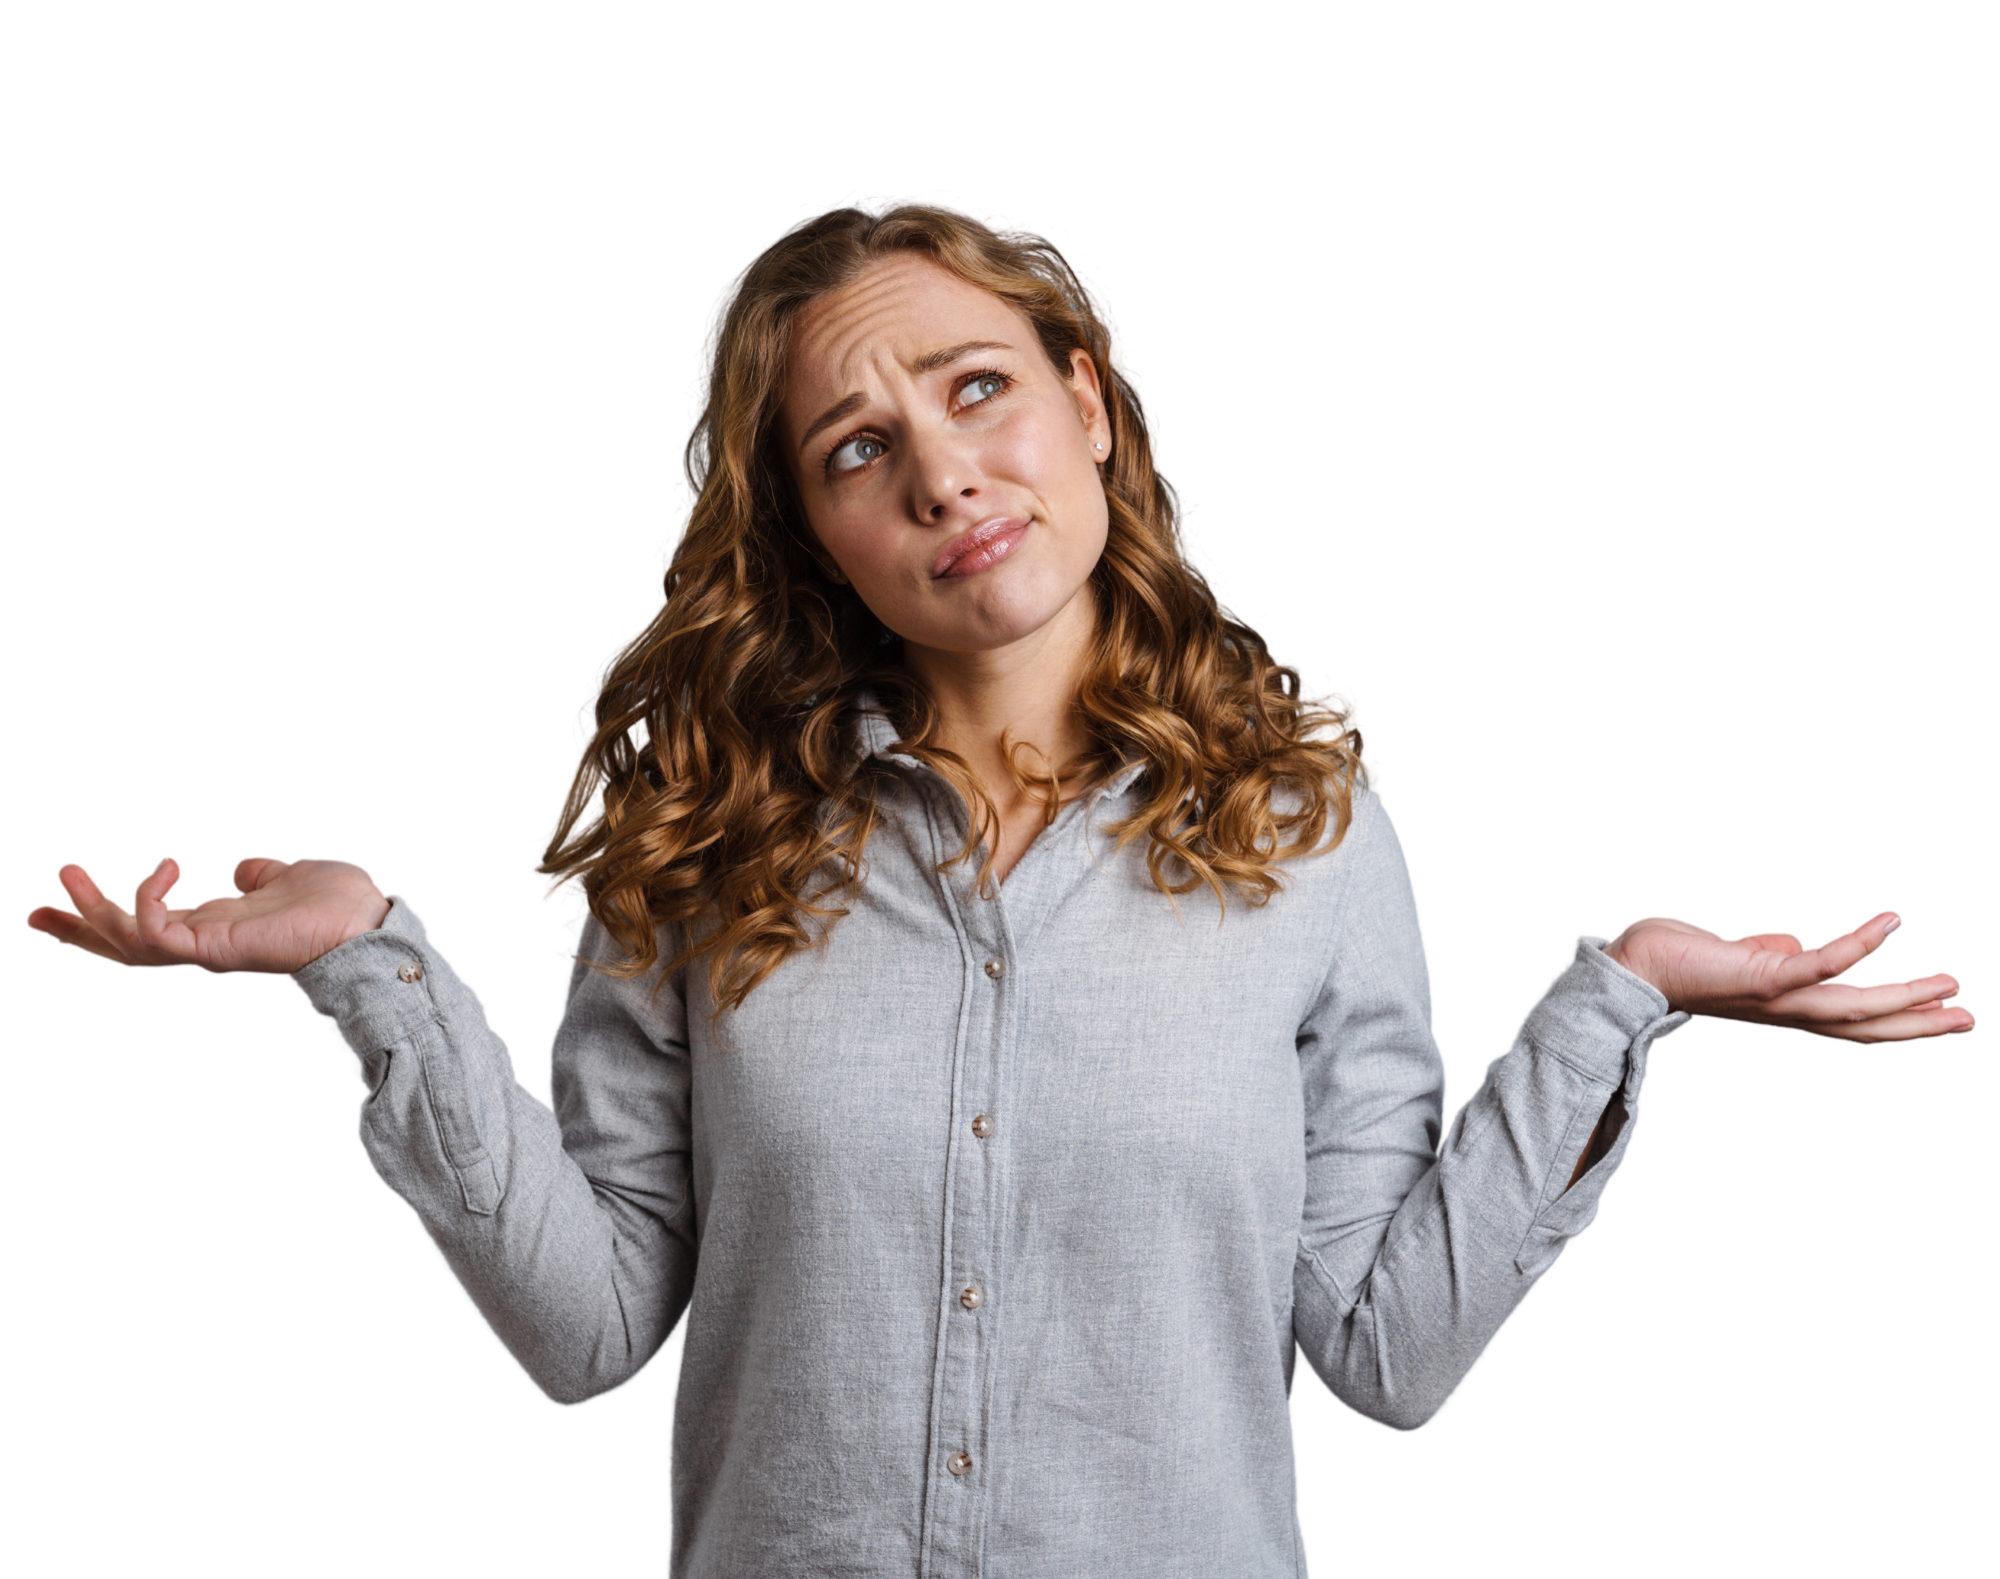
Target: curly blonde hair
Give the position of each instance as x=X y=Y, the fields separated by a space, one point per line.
x=740 y=813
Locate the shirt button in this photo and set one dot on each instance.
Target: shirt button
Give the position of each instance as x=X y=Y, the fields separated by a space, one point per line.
x=994 y=967
x=411 y=972
x=959 y=1463
x=971 y=1298
x=982 y=1126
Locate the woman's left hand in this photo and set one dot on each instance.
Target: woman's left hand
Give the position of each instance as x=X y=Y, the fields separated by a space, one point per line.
x=1772 y=980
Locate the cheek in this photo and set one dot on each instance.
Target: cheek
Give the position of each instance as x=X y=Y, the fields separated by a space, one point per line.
x=1049 y=454
x=838 y=533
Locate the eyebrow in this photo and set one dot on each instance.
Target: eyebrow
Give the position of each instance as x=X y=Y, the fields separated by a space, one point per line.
x=929 y=362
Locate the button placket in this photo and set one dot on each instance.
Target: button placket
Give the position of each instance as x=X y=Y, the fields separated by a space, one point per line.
x=973 y=1298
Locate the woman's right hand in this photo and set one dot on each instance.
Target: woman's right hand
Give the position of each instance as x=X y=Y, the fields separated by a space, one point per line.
x=290 y=914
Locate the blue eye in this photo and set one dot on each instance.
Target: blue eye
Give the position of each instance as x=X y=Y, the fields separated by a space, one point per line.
x=855 y=453
x=1003 y=380
x=863 y=436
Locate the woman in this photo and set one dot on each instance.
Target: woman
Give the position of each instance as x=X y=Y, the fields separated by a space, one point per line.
x=998 y=1177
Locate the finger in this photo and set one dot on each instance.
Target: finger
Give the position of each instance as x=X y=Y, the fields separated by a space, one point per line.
x=1929 y=992
x=1921 y=1024
x=67 y=928
x=1889 y=1012
x=89 y=924
x=1842 y=954
x=1877 y=930
x=159 y=929
x=78 y=885
x=1859 y=1004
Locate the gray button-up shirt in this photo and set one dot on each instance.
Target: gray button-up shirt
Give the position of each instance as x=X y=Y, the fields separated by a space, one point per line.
x=998 y=1222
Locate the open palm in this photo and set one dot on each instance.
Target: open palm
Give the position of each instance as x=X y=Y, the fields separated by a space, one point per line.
x=1772 y=979
x=288 y=915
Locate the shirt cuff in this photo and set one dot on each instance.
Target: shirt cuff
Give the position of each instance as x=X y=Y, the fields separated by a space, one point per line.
x=378 y=985
x=1600 y=1017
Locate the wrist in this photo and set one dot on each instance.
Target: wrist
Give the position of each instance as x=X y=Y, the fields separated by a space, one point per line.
x=368 y=916
x=1620 y=954
x=1615 y=950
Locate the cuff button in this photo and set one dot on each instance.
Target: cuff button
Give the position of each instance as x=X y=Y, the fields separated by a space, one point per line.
x=411 y=972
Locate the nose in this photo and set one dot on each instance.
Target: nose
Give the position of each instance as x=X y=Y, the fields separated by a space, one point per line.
x=944 y=476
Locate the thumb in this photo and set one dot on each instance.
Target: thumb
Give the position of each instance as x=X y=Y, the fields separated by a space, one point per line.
x=259 y=872
x=1776 y=943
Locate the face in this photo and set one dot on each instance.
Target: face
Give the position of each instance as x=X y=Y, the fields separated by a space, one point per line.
x=948 y=469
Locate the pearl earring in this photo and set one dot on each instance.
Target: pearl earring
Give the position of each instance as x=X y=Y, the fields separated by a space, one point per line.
x=1097 y=446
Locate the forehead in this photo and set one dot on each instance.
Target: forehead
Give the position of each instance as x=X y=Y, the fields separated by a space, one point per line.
x=900 y=309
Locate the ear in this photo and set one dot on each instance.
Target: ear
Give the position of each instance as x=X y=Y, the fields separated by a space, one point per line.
x=1087 y=388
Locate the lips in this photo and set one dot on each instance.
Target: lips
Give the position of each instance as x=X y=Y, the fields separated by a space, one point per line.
x=979 y=549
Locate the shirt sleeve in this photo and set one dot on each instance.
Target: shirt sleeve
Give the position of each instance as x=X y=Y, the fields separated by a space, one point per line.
x=574 y=1234
x=1410 y=1256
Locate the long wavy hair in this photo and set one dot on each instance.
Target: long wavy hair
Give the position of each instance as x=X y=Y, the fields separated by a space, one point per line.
x=736 y=801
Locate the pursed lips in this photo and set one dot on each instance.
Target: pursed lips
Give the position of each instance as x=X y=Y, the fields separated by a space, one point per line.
x=973 y=540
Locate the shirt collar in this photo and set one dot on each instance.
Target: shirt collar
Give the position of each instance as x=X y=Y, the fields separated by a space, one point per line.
x=877 y=735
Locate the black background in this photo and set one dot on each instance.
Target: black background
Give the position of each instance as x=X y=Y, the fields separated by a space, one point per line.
x=1621 y=494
